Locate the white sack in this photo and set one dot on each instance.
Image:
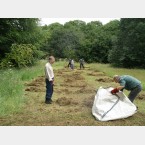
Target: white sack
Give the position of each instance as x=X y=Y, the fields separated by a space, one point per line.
x=110 y=107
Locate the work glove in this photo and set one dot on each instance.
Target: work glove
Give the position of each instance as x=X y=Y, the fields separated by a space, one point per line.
x=114 y=91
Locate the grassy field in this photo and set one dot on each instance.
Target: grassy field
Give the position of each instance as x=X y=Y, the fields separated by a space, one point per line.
x=12 y=87
x=22 y=94
x=110 y=71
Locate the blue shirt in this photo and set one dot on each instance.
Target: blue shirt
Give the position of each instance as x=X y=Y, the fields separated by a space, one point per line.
x=129 y=82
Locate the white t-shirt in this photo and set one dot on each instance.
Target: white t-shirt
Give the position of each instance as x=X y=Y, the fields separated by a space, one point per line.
x=72 y=62
x=49 y=72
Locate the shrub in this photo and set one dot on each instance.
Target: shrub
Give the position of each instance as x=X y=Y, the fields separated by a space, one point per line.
x=20 y=55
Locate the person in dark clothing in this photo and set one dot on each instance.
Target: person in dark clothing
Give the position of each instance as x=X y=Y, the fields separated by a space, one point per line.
x=69 y=63
x=129 y=83
x=82 y=63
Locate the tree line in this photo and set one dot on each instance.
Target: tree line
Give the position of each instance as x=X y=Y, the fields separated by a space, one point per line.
x=119 y=42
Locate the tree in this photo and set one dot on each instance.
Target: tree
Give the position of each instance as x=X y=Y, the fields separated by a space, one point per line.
x=100 y=39
x=130 y=45
x=18 y=30
x=64 y=41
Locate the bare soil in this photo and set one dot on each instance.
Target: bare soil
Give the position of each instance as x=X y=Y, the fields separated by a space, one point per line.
x=66 y=101
x=89 y=101
x=96 y=74
x=141 y=96
x=36 y=85
x=105 y=79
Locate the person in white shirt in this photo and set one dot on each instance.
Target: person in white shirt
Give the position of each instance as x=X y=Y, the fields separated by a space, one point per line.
x=72 y=64
x=49 y=79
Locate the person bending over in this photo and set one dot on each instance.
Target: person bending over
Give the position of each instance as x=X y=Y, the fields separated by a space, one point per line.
x=129 y=83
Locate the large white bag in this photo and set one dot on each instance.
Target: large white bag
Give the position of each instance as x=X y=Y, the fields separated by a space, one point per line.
x=110 y=107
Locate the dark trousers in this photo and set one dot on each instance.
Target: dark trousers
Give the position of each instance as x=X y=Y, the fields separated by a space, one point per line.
x=81 y=65
x=134 y=92
x=69 y=64
x=49 y=89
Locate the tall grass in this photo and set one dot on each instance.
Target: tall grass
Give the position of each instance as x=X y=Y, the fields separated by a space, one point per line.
x=12 y=87
x=11 y=92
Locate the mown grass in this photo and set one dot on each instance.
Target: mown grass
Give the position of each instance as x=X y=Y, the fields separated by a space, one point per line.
x=36 y=112
x=111 y=71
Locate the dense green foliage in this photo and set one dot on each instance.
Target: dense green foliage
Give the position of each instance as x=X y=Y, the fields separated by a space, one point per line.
x=121 y=43
x=21 y=55
x=76 y=39
x=20 y=38
x=129 y=47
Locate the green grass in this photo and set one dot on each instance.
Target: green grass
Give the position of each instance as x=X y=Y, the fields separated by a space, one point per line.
x=111 y=71
x=12 y=87
x=13 y=98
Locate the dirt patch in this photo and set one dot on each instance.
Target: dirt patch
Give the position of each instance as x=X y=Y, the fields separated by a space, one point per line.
x=66 y=91
x=96 y=74
x=88 y=68
x=66 y=101
x=74 y=76
x=65 y=75
x=58 y=91
x=68 y=80
x=74 y=80
x=35 y=89
x=58 y=71
x=96 y=71
x=36 y=85
x=105 y=80
x=61 y=71
x=86 y=90
x=78 y=84
x=141 y=96
x=77 y=76
x=88 y=102
x=37 y=82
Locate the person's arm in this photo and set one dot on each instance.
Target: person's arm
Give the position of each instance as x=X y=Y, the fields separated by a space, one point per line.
x=117 y=89
x=120 y=87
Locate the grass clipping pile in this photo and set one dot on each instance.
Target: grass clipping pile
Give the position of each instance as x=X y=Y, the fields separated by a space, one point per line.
x=141 y=97
x=105 y=79
x=36 y=85
x=66 y=101
x=74 y=80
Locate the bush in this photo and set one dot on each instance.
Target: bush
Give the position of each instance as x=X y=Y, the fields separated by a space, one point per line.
x=20 y=55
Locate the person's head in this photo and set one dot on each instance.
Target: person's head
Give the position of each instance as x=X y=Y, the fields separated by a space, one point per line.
x=116 y=78
x=51 y=59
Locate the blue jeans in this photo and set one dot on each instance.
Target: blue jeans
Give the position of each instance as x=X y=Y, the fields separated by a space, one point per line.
x=49 y=89
x=134 y=92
